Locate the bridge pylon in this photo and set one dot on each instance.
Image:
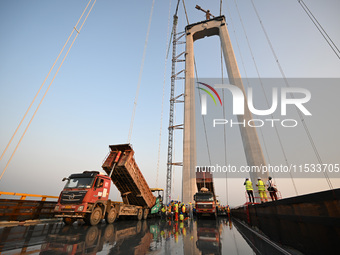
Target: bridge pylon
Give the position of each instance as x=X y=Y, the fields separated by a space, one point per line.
x=251 y=143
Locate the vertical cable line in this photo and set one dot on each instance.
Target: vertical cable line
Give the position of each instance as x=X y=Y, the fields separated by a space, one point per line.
x=23 y=118
x=221 y=8
x=162 y=108
x=292 y=95
x=224 y=128
x=267 y=102
x=185 y=10
x=320 y=28
x=42 y=99
x=140 y=74
x=225 y=134
x=204 y=125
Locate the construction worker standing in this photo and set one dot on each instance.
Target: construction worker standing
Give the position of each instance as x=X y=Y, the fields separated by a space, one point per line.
x=191 y=214
x=262 y=189
x=163 y=211
x=183 y=208
x=170 y=217
x=176 y=211
x=228 y=210
x=271 y=187
x=249 y=189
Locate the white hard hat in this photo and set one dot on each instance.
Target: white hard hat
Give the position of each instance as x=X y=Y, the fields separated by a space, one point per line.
x=259 y=178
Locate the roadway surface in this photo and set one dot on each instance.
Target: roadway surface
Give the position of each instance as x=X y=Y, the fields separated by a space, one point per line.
x=153 y=236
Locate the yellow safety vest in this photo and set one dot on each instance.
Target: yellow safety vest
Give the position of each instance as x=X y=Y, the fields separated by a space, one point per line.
x=249 y=185
x=176 y=208
x=183 y=208
x=260 y=185
x=163 y=209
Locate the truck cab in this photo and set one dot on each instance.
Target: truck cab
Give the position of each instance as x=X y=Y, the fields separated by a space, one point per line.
x=85 y=196
x=205 y=203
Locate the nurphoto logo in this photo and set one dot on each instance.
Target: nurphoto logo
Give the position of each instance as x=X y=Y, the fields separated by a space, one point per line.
x=286 y=96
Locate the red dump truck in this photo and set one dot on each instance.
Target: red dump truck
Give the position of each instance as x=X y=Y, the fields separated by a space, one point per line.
x=205 y=199
x=85 y=195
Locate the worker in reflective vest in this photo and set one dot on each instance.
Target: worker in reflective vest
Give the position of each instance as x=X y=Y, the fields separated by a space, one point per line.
x=176 y=211
x=169 y=210
x=183 y=209
x=163 y=210
x=249 y=189
x=262 y=190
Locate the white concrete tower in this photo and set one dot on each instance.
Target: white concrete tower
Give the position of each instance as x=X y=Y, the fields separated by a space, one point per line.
x=251 y=144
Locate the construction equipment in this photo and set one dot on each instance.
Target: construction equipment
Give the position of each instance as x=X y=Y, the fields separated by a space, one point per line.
x=207 y=13
x=85 y=195
x=205 y=198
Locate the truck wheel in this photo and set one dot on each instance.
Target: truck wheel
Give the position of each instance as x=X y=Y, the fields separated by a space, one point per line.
x=111 y=216
x=140 y=214
x=145 y=214
x=68 y=221
x=95 y=217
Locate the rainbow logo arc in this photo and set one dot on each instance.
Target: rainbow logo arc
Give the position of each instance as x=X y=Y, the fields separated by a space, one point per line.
x=209 y=93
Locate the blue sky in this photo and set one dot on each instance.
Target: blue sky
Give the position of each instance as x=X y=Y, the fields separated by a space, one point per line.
x=89 y=105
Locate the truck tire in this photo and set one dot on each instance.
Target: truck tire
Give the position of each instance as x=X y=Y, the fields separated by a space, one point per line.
x=140 y=214
x=145 y=214
x=95 y=217
x=68 y=221
x=110 y=217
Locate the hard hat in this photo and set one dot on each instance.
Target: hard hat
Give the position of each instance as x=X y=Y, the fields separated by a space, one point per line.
x=259 y=178
x=269 y=178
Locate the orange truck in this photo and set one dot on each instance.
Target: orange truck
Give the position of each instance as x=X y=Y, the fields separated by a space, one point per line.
x=86 y=195
x=205 y=199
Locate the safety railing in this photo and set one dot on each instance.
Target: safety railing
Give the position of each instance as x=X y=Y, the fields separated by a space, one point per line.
x=24 y=195
x=257 y=197
x=22 y=209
